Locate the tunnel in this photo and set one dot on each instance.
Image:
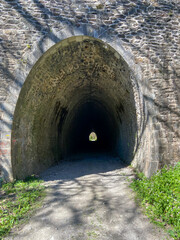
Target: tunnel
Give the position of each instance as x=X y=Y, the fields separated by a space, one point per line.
x=80 y=86
x=90 y=117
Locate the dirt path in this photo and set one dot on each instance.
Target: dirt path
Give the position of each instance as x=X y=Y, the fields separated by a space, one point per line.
x=90 y=200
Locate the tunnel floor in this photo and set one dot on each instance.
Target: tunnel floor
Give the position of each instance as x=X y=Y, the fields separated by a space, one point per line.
x=89 y=198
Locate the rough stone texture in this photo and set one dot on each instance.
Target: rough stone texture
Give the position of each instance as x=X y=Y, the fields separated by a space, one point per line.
x=145 y=34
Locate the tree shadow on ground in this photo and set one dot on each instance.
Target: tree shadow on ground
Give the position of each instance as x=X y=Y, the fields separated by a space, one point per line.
x=88 y=199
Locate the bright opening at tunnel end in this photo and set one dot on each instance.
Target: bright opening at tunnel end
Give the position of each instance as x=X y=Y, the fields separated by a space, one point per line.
x=92 y=137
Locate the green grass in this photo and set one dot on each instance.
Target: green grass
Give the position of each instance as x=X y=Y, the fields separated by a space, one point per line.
x=17 y=200
x=92 y=235
x=160 y=197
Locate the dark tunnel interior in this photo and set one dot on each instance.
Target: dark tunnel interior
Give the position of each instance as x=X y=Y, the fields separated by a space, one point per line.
x=90 y=117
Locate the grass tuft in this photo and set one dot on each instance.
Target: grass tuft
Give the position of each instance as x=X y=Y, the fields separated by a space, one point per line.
x=17 y=199
x=160 y=197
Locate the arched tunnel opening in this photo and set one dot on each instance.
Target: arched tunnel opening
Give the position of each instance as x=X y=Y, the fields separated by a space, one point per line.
x=79 y=86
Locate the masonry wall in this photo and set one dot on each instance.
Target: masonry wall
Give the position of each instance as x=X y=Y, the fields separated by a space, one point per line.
x=145 y=33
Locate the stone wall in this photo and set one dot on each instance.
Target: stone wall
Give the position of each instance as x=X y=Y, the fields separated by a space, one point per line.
x=145 y=33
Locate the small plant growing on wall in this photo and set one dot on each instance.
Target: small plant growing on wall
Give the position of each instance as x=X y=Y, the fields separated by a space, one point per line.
x=100 y=6
x=28 y=46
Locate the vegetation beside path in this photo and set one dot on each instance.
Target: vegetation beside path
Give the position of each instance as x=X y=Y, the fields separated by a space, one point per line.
x=160 y=197
x=17 y=200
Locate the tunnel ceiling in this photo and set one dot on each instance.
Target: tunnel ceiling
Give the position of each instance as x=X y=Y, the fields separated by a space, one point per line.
x=77 y=75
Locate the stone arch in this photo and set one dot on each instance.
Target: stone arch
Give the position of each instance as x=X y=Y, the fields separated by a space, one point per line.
x=75 y=74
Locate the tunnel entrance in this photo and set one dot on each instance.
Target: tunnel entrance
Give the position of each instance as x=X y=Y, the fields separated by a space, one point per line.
x=79 y=86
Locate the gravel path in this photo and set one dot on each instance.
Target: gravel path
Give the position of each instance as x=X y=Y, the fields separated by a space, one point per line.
x=89 y=199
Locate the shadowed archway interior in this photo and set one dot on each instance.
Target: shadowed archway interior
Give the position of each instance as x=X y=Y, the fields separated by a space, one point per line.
x=90 y=117
x=80 y=85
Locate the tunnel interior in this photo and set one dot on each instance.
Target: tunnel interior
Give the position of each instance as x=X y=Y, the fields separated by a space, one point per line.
x=79 y=86
x=90 y=117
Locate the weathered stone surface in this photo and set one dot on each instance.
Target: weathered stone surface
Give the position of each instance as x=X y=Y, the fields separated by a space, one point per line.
x=145 y=33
